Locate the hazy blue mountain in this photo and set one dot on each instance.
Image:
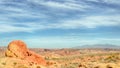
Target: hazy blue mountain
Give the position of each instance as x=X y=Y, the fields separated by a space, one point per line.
x=98 y=46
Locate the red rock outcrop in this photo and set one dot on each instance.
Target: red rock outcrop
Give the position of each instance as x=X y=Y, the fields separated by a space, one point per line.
x=18 y=49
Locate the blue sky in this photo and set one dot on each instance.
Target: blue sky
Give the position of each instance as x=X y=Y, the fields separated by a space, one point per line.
x=60 y=23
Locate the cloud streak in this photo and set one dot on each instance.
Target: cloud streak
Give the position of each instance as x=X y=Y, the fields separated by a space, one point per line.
x=67 y=5
x=86 y=22
x=36 y=15
x=93 y=22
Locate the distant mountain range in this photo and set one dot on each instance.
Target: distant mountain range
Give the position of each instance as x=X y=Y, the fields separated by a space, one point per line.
x=98 y=46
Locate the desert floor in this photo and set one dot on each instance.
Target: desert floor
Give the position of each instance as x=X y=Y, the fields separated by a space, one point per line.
x=69 y=58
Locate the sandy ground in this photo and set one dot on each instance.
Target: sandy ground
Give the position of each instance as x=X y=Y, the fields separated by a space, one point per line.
x=68 y=58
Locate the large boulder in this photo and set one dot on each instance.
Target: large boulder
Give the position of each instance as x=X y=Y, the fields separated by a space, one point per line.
x=18 y=49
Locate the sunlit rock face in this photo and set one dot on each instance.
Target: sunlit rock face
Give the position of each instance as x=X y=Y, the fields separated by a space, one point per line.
x=18 y=49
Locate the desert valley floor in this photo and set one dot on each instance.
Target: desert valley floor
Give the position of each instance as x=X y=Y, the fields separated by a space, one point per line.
x=69 y=58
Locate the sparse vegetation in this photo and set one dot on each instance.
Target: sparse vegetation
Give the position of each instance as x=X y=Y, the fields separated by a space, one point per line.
x=68 y=58
x=4 y=63
x=15 y=63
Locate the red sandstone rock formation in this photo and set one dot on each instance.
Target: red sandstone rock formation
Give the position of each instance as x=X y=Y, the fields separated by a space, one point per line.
x=18 y=49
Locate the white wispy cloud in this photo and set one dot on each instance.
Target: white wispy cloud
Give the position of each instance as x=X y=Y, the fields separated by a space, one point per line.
x=86 y=22
x=18 y=10
x=106 y=1
x=92 y=22
x=14 y=9
x=94 y=0
x=11 y=28
x=71 y=4
x=23 y=27
x=112 y=1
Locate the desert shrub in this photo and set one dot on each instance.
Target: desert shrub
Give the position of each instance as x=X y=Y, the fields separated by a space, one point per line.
x=96 y=67
x=108 y=66
x=4 y=63
x=112 y=58
x=15 y=63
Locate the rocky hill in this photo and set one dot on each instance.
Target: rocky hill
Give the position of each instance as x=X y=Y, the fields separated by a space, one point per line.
x=17 y=55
